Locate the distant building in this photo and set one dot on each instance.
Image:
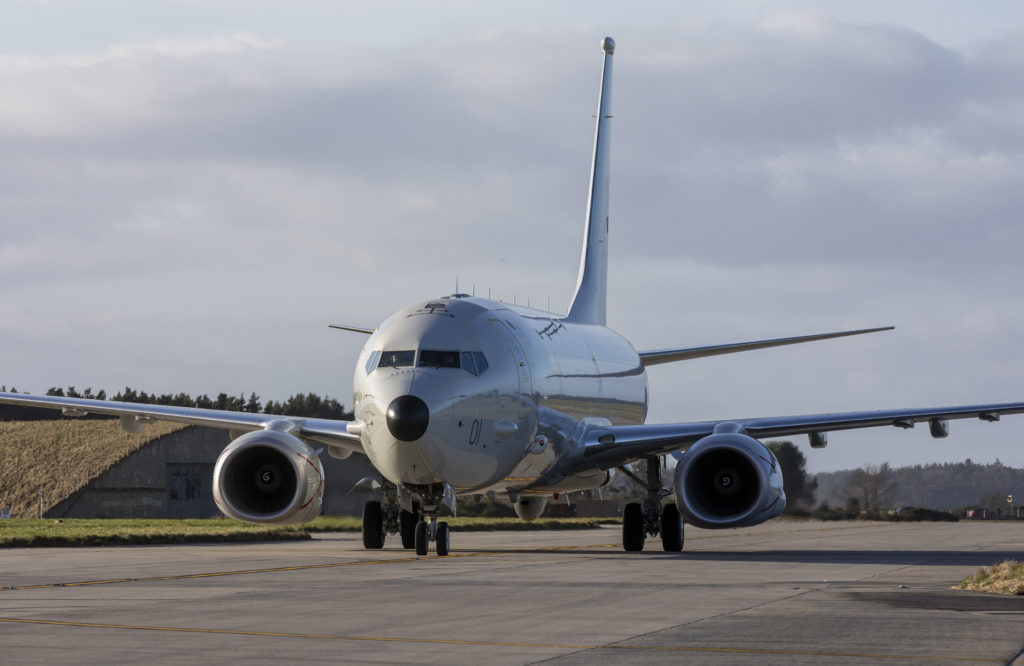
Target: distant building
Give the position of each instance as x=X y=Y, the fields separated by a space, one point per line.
x=172 y=477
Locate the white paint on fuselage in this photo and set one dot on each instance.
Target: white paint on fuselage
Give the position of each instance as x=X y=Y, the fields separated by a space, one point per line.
x=544 y=375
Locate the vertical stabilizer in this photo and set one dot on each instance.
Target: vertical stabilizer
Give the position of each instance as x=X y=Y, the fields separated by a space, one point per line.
x=589 y=302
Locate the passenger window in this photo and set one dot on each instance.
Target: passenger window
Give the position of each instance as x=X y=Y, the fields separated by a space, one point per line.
x=467 y=363
x=438 y=359
x=396 y=359
x=481 y=362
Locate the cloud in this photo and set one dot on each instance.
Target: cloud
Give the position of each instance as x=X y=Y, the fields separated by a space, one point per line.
x=181 y=215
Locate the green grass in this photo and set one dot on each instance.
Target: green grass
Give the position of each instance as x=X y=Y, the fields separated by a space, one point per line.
x=31 y=532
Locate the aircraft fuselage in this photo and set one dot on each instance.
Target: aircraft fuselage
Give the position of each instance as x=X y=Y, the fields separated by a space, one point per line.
x=483 y=395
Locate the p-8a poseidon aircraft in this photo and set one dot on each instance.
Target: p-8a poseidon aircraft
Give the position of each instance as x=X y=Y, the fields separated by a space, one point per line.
x=463 y=395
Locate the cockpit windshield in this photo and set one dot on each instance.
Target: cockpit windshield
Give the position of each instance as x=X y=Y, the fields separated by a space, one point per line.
x=397 y=359
x=430 y=358
x=472 y=362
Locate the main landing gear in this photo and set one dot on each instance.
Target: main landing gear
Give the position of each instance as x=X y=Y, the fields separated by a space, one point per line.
x=417 y=528
x=651 y=518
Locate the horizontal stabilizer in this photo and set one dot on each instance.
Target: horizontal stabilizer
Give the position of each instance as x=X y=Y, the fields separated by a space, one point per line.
x=659 y=356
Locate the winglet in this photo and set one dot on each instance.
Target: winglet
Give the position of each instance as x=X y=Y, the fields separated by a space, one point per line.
x=589 y=302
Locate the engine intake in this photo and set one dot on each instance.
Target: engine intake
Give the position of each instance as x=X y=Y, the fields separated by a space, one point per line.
x=269 y=477
x=729 y=480
x=529 y=508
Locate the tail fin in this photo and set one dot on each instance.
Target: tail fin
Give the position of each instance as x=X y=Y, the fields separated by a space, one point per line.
x=589 y=302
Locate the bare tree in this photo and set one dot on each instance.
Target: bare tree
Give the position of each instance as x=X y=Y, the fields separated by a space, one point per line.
x=873 y=486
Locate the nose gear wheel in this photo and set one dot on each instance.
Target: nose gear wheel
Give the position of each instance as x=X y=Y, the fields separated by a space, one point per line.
x=417 y=528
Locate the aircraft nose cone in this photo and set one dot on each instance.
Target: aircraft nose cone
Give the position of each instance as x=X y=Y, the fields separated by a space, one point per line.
x=407 y=418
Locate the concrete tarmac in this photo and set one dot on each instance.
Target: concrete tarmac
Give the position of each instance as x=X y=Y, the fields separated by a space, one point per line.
x=784 y=592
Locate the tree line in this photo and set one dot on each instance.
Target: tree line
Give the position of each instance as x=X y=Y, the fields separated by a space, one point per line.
x=308 y=405
x=877 y=490
x=946 y=486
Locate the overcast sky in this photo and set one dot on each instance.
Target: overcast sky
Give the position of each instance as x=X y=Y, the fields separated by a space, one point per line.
x=191 y=191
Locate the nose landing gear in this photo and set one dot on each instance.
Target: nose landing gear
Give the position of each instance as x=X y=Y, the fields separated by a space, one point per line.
x=428 y=529
x=434 y=531
x=417 y=528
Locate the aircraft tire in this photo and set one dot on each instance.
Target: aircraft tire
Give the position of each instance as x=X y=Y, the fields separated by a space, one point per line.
x=443 y=539
x=671 y=529
x=633 y=527
x=407 y=528
x=422 y=542
x=373 y=526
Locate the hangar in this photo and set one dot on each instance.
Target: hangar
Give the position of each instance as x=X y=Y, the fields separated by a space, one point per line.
x=102 y=472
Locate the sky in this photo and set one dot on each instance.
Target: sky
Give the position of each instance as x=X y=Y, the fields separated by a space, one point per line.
x=191 y=191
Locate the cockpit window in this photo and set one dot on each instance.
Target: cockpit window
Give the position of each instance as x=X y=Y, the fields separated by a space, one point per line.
x=467 y=363
x=438 y=359
x=472 y=362
x=371 y=362
x=481 y=362
x=396 y=359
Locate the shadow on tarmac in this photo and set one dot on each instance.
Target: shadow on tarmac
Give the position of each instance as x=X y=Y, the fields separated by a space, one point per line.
x=887 y=557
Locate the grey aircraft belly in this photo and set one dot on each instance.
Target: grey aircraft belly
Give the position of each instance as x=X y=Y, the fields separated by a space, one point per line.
x=465 y=395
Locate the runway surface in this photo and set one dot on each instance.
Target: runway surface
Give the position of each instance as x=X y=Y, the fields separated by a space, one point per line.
x=785 y=592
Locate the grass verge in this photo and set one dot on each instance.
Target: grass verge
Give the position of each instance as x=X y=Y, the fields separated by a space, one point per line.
x=31 y=532
x=1007 y=577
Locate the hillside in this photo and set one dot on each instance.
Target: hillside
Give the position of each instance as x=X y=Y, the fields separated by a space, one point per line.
x=59 y=457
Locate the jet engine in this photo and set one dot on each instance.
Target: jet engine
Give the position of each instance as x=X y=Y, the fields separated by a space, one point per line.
x=269 y=476
x=729 y=480
x=530 y=507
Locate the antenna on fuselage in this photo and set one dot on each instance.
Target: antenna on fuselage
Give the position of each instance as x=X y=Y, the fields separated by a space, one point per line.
x=590 y=300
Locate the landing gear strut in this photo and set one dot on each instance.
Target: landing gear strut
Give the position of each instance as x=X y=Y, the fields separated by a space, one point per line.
x=417 y=528
x=651 y=518
x=428 y=529
x=387 y=517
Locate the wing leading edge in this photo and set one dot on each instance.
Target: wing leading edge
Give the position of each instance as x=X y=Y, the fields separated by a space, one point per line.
x=134 y=415
x=611 y=446
x=659 y=356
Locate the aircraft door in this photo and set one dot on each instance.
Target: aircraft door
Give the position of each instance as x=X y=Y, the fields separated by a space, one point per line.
x=522 y=365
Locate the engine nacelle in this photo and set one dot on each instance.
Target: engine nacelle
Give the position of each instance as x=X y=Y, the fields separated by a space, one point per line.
x=268 y=476
x=530 y=507
x=729 y=480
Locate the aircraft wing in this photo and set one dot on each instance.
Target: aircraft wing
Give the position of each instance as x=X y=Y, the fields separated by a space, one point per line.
x=134 y=415
x=611 y=446
x=658 y=356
